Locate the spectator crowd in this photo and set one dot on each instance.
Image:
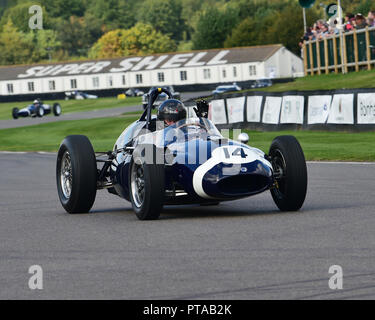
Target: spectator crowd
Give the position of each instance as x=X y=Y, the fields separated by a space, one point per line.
x=322 y=29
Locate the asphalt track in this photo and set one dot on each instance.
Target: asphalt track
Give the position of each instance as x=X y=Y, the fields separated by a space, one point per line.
x=239 y=250
x=101 y=113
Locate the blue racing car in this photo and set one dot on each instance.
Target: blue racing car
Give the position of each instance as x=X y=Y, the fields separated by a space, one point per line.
x=37 y=109
x=171 y=159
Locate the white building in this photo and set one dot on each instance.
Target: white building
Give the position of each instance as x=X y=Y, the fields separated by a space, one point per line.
x=196 y=67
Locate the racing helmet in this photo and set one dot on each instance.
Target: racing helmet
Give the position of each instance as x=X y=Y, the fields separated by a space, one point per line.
x=36 y=102
x=171 y=110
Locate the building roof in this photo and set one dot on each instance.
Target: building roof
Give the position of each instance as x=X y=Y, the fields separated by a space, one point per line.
x=157 y=61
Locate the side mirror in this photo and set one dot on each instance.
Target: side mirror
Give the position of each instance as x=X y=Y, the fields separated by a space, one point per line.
x=243 y=138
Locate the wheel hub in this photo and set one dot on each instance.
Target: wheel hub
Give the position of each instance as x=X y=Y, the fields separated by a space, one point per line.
x=66 y=175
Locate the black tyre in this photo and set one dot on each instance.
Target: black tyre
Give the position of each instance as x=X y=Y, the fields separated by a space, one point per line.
x=289 y=165
x=39 y=111
x=146 y=185
x=15 y=113
x=56 y=109
x=76 y=174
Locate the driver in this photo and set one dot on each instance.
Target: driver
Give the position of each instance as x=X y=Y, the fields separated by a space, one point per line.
x=36 y=102
x=171 y=111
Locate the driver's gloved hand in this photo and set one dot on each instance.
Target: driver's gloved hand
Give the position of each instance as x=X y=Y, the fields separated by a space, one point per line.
x=202 y=109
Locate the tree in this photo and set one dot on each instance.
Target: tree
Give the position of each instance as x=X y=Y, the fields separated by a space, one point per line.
x=78 y=34
x=46 y=44
x=213 y=27
x=64 y=8
x=286 y=29
x=164 y=16
x=139 y=40
x=114 y=14
x=245 y=34
x=15 y=46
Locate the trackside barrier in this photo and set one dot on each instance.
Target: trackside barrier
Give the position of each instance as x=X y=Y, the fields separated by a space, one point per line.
x=340 y=110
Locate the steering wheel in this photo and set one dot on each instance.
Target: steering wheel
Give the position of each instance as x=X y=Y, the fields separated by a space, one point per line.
x=191 y=124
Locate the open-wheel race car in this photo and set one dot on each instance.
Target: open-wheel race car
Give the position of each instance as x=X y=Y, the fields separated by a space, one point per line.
x=37 y=109
x=188 y=162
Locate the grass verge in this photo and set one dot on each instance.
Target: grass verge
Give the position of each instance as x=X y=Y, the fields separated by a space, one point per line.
x=69 y=106
x=317 y=145
x=332 y=81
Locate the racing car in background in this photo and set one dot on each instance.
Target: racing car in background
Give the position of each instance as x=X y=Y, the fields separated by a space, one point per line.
x=37 y=109
x=78 y=95
x=224 y=170
x=161 y=98
x=131 y=92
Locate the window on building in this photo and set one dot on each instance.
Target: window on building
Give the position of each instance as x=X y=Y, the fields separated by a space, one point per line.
x=52 y=85
x=183 y=75
x=73 y=83
x=10 y=87
x=110 y=81
x=253 y=70
x=206 y=73
x=161 y=76
x=123 y=80
x=95 y=82
x=30 y=86
x=224 y=73
x=235 y=72
x=139 y=78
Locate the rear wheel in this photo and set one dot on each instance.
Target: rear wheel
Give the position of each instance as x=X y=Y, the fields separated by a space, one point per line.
x=146 y=186
x=290 y=172
x=15 y=113
x=56 y=109
x=76 y=174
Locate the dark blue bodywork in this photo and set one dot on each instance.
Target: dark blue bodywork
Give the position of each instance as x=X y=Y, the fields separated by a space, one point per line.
x=203 y=166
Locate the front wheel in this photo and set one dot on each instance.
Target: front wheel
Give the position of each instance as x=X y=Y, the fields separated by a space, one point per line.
x=40 y=111
x=290 y=173
x=76 y=174
x=146 y=185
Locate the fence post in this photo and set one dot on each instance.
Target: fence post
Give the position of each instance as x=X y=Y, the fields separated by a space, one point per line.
x=368 y=49
x=318 y=56
x=355 y=40
x=304 y=48
x=311 y=59
x=345 y=56
x=326 y=54
x=335 y=60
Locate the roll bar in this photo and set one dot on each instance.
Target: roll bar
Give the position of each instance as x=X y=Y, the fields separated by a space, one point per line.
x=153 y=95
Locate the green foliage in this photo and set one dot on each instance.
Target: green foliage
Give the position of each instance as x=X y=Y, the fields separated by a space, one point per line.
x=15 y=47
x=138 y=40
x=164 y=16
x=78 y=34
x=114 y=14
x=278 y=25
x=64 y=8
x=213 y=27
